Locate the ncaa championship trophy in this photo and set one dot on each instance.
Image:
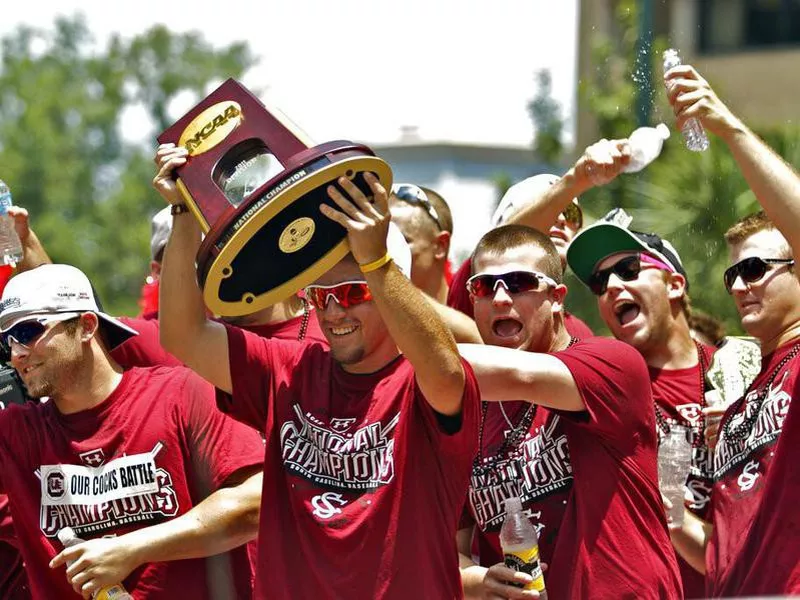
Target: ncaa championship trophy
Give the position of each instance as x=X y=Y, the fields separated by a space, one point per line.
x=255 y=184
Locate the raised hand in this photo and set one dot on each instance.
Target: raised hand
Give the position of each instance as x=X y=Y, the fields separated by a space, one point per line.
x=168 y=158
x=601 y=163
x=691 y=97
x=367 y=223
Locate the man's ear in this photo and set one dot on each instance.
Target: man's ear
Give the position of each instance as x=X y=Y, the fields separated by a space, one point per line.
x=442 y=245
x=676 y=286
x=558 y=294
x=90 y=326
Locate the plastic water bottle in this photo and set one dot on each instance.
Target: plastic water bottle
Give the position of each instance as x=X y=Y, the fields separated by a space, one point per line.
x=112 y=592
x=693 y=132
x=645 y=144
x=10 y=245
x=521 y=545
x=674 y=461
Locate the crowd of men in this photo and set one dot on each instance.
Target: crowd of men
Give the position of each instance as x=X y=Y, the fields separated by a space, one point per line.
x=359 y=440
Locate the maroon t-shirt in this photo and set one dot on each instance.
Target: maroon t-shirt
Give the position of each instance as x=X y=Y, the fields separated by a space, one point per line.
x=458 y=298
x=145 y=350
x=755 y=547
x=148 y=453
x=679 y=393
x=13 y=582
x=362 y=486
x=589 y=480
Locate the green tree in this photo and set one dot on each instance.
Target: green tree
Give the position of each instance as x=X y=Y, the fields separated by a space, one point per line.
x=62 y=101
x=545 y=113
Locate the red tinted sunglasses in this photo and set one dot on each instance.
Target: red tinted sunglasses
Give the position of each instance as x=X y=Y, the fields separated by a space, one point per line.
x=345 y=294
x=515 y=282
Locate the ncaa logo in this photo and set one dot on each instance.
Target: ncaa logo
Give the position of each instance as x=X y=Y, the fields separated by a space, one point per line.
x=55 y=484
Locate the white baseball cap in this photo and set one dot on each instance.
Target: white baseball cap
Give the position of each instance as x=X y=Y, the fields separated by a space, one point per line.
x=160 y=228
x=52 y=289
x=520 y=195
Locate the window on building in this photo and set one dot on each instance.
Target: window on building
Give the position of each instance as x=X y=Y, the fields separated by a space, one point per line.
x=727 y=25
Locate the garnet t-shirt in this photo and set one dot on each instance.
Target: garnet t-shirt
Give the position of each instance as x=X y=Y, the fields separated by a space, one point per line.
x=362 y=487
x=679 y=395
x=458 y=298
x=755 y=546
x=148 y=453
x=537 y=470
x=613 y=540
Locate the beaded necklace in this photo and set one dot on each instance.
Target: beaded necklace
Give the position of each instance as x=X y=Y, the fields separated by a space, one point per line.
x=661 y=418
x=510 y=448
x=742 y=431
x=304 y=324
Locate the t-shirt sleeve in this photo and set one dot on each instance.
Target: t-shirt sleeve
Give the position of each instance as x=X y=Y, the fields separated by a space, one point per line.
x=257 y=366
x=464 y=439
x=218 y=445
x=457 y=295
x=613 y=382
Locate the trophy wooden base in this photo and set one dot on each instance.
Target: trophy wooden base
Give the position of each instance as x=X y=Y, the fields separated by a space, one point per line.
x=278 y=241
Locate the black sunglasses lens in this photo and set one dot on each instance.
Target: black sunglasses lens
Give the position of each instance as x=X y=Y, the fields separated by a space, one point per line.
x=573 y=215
x=750 y=270
x=626 y=269
x=24 y=333
x=482 y=285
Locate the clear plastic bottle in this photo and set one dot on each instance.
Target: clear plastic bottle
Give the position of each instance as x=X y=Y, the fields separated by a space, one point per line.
x=521 y=545
x=645 y=144
x=10 y=246
x=112 y=592
x=693 y=132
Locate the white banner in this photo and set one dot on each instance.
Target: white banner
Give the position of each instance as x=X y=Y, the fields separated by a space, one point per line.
x=121 y=478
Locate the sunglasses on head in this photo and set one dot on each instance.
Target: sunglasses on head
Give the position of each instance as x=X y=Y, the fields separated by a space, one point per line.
x=573 y=215
x=627 y=269
x=345 y=294
x=751 y=269
x=415 y=195
x=515 y=282
x=25 y=333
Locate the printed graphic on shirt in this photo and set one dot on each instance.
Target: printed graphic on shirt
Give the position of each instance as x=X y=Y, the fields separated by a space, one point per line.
x=731 y=453
x=97 y=499
x=541 y=468
x=359 y=461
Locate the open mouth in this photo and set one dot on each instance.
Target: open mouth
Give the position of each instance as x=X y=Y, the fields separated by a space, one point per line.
x=626 y=312
x=557 y=234
x=506 y=327
x=342 y=331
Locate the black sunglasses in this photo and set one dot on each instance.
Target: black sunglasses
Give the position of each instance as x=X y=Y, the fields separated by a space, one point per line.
x=27 y=332
x=413 y=194
x=516 y=282
x=751 y=269
x=627 y=269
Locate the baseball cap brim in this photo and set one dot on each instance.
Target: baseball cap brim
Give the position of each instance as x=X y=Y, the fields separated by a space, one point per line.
x=598 y=242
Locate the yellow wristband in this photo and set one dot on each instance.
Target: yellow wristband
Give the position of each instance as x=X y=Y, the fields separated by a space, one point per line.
x=376 y=264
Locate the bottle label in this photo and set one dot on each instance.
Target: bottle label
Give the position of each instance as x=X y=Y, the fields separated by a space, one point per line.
x=5 y=202
x=112 y=592
x=527 y=561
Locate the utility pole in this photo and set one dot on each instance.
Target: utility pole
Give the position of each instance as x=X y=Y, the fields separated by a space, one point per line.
x=644 y=46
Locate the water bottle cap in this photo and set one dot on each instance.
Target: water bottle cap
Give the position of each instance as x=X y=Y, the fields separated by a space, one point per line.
x=66 y=534
x=663 y=131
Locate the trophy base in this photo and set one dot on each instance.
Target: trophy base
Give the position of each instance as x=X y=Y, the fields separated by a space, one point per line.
x=278 y=241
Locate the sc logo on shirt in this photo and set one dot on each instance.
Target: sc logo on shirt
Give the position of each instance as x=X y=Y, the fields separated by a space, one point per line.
x=326 y=506
x=55 y=484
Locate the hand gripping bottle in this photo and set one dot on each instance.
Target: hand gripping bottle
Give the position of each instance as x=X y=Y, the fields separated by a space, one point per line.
x=645 y=144
x=112 y=592
x=521 y=545
x=10 y=246
x=693 y=132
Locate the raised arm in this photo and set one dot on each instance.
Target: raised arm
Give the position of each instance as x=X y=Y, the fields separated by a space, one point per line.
x=600 y=164
x=185 y=329
x=508 y=374
x=224 y=520
x=412 y=322
x=774 y=182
